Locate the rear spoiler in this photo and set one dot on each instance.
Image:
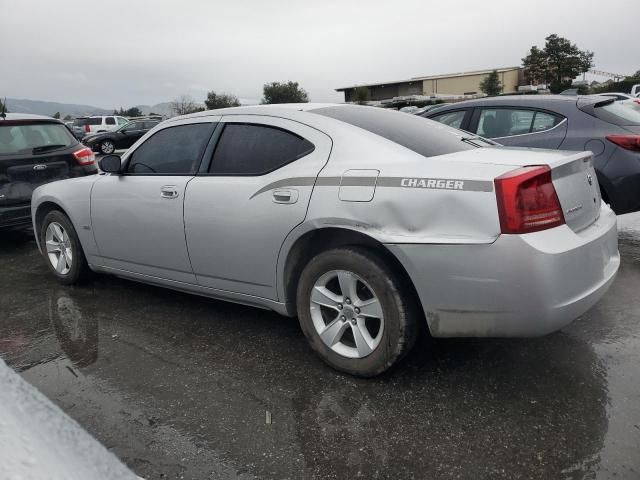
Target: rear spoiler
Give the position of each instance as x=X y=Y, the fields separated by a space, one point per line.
x=589 y=104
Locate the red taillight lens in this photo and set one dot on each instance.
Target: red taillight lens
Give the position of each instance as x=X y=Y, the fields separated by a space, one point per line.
x=87 y=129
x=527 y=200
x=84 y=156
x=628 y=142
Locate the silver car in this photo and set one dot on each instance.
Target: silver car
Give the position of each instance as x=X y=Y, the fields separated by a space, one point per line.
x=361 y=221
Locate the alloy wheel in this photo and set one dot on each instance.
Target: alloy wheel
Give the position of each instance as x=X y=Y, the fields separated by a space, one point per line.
x=346 y=314
x=107 y=147
x=58 y=246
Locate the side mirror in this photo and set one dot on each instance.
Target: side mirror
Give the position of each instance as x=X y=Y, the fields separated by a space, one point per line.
x=110 y=163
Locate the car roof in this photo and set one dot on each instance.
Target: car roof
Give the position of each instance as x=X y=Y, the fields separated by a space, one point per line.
x=560 y=103
x=28 y=116
x=272 y=109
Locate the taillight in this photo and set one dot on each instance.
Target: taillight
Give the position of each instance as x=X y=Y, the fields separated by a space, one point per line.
x=527 y=200
x=628 y=142
x=87 y=129
x=84 y=156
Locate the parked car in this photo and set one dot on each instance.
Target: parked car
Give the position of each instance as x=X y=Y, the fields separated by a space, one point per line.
x=123 y=137
x=83 y=126
x=359 y=220
x=35 y=150
x=608 y=128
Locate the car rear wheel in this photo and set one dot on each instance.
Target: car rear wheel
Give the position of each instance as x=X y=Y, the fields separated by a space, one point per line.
x=356 y=312
x=107 y=147
x=62 y=249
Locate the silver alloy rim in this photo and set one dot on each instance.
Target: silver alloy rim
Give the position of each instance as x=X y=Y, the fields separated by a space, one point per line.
x=107 y=147
x=58 y=245
x=346 y=314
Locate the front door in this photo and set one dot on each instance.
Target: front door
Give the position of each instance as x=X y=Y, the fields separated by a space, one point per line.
x=254 y=192
x=137 y=217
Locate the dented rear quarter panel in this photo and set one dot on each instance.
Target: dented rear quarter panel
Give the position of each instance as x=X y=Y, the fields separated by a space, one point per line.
x=405 y=207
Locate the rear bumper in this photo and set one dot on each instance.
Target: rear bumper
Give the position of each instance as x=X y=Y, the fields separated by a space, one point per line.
x=518 y=286
x=15 y=216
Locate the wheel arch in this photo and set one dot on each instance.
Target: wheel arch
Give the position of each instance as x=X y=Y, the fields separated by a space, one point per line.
x=310 y=243
x=41 y=211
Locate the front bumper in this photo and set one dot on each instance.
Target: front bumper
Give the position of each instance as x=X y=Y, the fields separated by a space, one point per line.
x=519 y=286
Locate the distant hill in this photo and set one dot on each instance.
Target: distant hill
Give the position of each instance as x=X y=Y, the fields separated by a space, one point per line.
x=39 y=107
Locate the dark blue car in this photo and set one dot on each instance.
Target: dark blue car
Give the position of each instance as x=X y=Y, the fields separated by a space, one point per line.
x=608 y=128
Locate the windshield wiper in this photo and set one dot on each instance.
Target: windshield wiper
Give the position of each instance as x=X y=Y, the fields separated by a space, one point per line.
x=46 y=148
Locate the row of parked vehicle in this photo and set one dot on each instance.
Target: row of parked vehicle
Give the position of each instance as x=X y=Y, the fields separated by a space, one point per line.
x=361 y=221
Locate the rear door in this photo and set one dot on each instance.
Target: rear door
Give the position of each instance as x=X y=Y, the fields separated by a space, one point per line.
x=32 y=154
x=520 y=127
x=254 y=191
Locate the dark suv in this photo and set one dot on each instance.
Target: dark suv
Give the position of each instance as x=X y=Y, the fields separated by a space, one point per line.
x=35 y=150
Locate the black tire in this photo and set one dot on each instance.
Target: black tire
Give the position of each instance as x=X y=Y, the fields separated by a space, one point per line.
x=103 y=146
x=397 y=299
x=79 y=270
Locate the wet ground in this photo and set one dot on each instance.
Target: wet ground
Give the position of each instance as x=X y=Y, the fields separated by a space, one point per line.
x=179 y=386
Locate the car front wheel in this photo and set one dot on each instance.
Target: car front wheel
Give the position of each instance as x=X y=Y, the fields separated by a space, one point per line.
x=357 y=313
x=107 y=147
x=62 y=250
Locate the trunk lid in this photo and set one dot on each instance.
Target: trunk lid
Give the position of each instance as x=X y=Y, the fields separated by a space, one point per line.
x=577 y=187
x=573 y=175
x=21 y=175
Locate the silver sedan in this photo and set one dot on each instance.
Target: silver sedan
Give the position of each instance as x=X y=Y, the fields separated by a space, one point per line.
x=363 y=222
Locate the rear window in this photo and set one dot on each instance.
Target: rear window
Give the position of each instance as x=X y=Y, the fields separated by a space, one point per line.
x=420 y=135
x=22 y=139
x=81 y=122
x=619 y=113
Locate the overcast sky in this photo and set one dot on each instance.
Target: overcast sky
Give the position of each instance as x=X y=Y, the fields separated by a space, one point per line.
x=127 y=52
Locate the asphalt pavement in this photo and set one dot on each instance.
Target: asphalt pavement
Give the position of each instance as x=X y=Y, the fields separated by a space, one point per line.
x=179 y=386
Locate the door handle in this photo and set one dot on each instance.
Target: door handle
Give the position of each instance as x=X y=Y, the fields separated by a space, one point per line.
x=285 y=196
x=169 y=191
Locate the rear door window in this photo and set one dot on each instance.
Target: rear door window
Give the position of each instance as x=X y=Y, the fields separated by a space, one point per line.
x=251 y=149
x=507 y=122
x=172 y=151
x=110 y=121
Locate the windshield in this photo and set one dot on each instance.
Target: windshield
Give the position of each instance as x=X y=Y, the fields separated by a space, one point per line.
x=623 y=113
x=126 y=125
x=423 y=136
x=22 y=139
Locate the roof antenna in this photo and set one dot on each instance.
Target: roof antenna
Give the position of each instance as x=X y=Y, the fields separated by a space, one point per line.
x=3 y=112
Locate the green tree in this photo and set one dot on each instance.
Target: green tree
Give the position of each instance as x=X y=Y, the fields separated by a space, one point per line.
x=535 y=66
x=361 y=95
x=290 y=92
x=3 y=106
x=67 y=118
x=220 y=100
x=491 y=84
x=132 y=112
x=56 y=115
x=558 y=63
